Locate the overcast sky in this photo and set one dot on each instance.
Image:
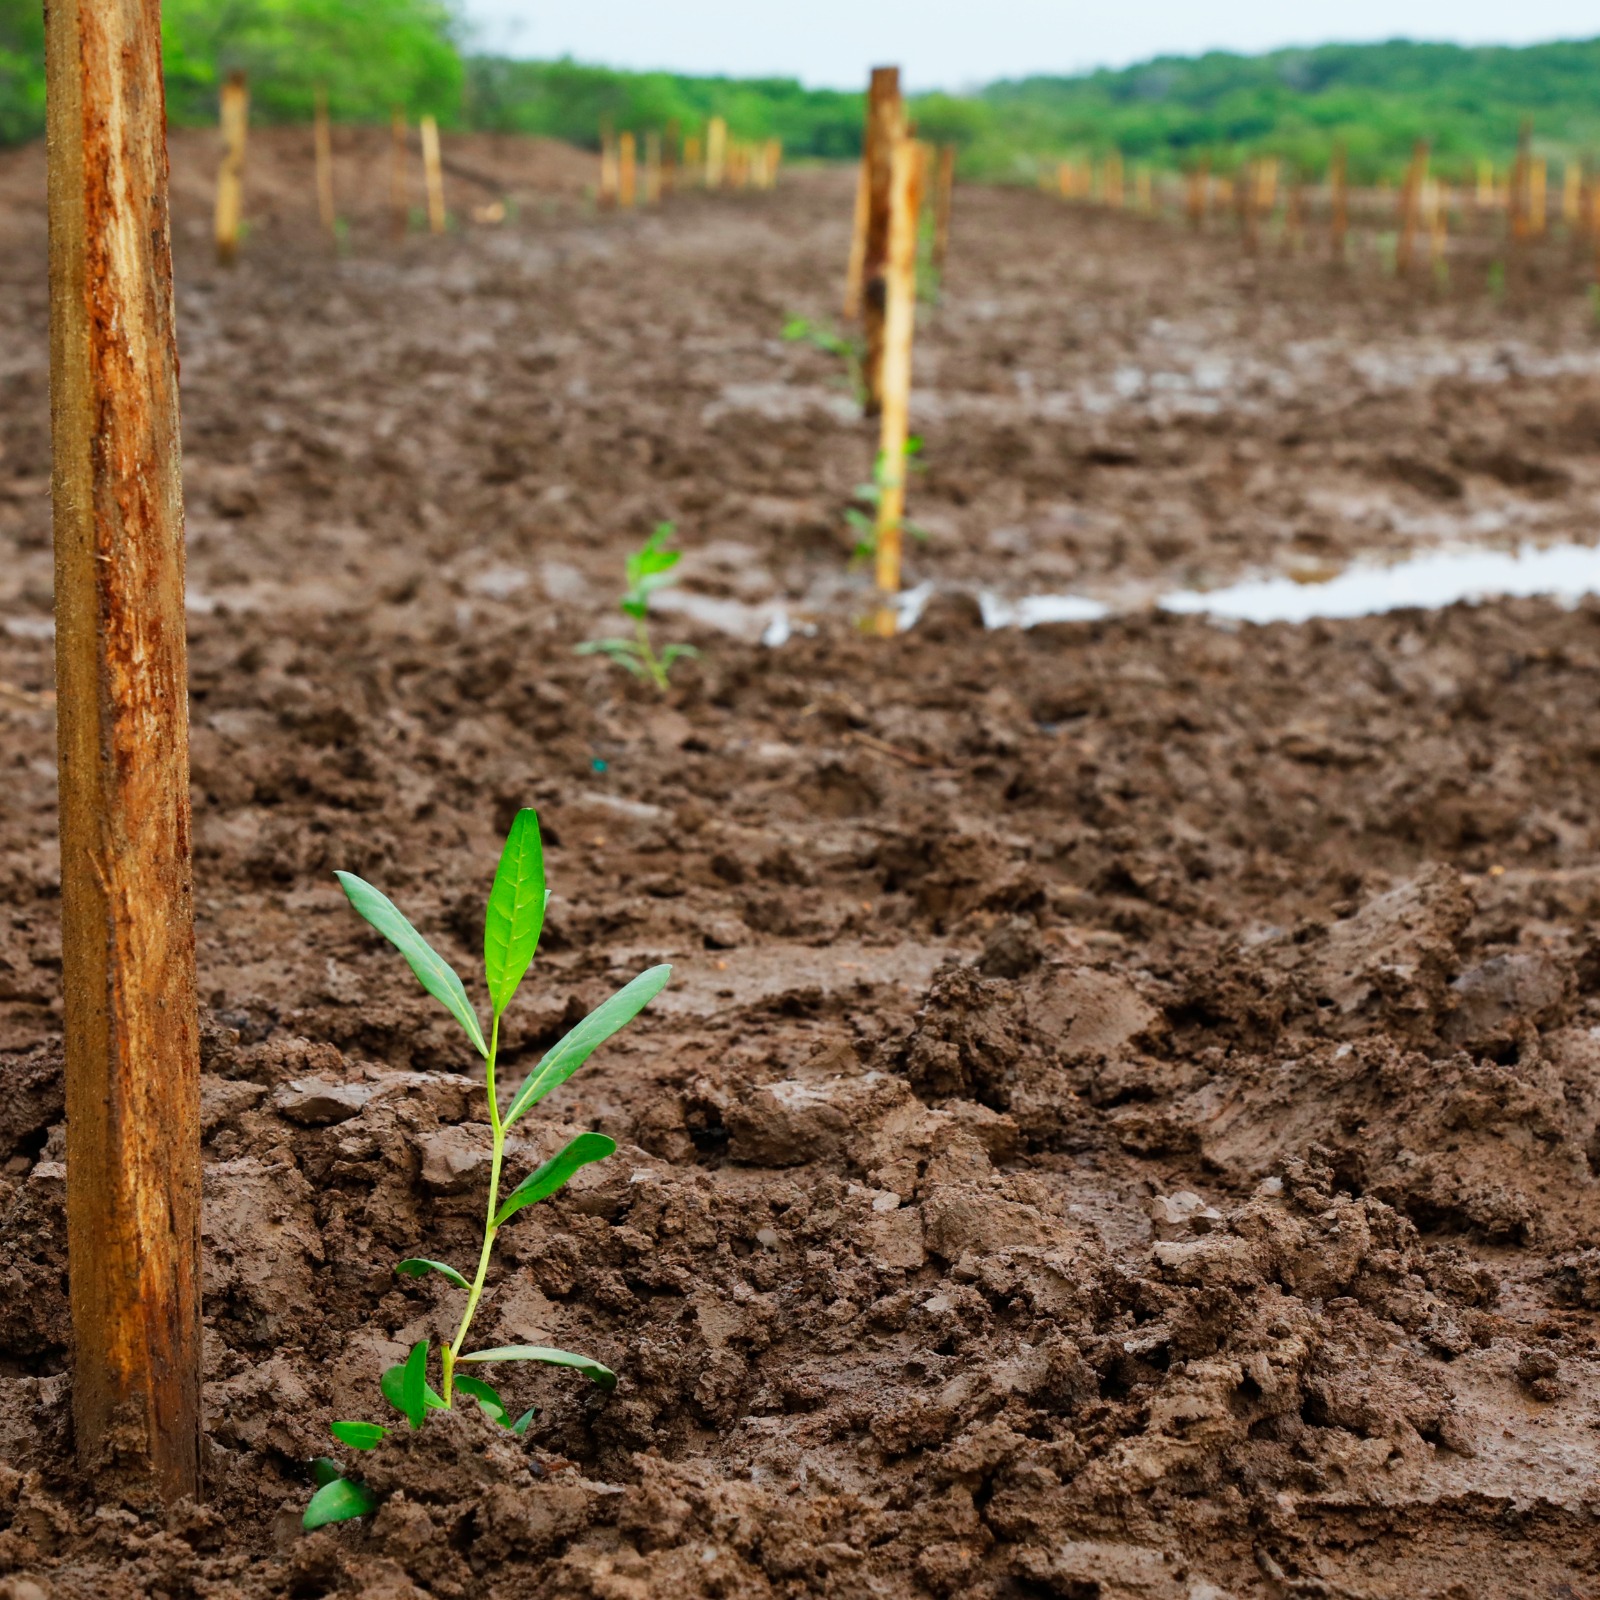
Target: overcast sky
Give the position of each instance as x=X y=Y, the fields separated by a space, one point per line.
x=954 y=43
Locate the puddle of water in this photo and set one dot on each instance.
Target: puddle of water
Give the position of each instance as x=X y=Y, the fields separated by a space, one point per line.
x=1562 y=572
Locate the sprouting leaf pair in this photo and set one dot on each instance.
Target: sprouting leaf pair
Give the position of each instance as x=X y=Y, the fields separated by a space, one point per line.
x=648 y=569
x=513 y=922
x=801 y=330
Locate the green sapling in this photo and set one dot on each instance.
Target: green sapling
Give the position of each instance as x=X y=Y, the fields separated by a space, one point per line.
x=801 y=330
x=649 y=568
x=512 y=924
x=865 y=524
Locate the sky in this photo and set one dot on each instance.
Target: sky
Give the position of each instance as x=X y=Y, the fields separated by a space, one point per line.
x=953 y=44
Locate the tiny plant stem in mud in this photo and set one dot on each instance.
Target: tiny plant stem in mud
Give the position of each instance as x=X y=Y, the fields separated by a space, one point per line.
x=513 y=923
x=649 y=568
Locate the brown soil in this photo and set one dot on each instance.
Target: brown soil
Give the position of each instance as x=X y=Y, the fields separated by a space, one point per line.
x=1126 y=1116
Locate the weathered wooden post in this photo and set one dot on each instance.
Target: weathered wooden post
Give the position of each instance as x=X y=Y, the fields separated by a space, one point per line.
x=399 y=180
x=885 y=129
x=716 y=152
x=900 y=307
x=609 y=177
x=235 y=119
x=433 y=175
x=1338 y=204
x=127 y=900
x=1410 y=205
x=944 y=188
x=323 y=140
x=627 y=171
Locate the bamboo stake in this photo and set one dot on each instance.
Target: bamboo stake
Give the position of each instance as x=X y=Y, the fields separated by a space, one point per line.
x=1410 y=206
x=627 y=172
x=944 y=185
x=652 y=168
x=1339 y=204
x=433 y=172
x=230 y=177
x=127 y=931
x=858 y=244
x=716 y=152
x=323 y=139
x=399 y=178
x=885 y=129
x=900 y=281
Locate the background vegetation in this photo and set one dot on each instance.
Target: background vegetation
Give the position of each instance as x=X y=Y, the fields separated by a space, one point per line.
x=1292 y=103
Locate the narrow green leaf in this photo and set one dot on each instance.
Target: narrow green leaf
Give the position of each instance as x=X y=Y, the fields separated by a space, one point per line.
x=520 y=1426
x=435 y=974
x=419 y=1266
x=338 y=1501
x=543 y=1181
x=515 y=915
x=564 y=1058
x=492 y=1406
x=392 y=1383
x=414 y=1385
x=359 y=1435
x=324 y=1469
x=587 y=1365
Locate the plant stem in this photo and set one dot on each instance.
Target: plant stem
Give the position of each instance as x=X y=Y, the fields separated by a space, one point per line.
x=657 y=675
x=452 y=1350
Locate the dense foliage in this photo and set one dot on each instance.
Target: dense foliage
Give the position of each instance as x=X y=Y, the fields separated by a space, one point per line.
x=1378 y=99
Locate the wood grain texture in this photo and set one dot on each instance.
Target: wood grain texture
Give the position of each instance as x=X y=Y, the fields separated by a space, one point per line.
x=885 y=128
x=899 y=326
x=132 y=1054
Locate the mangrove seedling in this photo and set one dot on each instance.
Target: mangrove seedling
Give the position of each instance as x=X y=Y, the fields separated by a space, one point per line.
x=801 y=330
x=512 y=925
x=649 y=568
x=864 y=523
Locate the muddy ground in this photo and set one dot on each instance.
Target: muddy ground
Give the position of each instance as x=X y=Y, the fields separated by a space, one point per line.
x=1126 y=1118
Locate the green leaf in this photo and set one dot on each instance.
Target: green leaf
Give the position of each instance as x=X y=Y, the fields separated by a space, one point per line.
x=520 y=1426
x=392 y=1383
x=324 y=1469
x=359 y=1435
x=796 y=328
x=545 y=1180
x=515 y=916
x=674 y=652
x=587 y=1365
x=419 y=1266
x=338 y=1501
x=414 y=1384
x=435 y=974
x=492 y=1406
x=564 y=1058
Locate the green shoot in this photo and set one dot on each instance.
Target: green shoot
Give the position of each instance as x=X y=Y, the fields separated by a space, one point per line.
x=801 y=330
x=864 y=523
x=513 y=922
x=1497 y=280
x=648 y=570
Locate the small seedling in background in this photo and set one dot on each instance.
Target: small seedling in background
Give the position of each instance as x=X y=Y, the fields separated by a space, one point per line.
x=801 y=330
x=865 y=523
x=1497 y=280
x=649 y=568
x=512 y=924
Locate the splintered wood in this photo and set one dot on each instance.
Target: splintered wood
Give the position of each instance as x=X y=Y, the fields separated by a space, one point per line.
x=127 y=894
x=235 y=120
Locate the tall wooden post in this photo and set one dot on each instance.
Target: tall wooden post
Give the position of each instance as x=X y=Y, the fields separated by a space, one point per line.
x=944 y=187
x=399 y=179
x=433 y=175
x=1411 y=205
x=1338 y=204
x=652 y=168
x=127 y=901
x=900 y=308
x=230 y=176
x=716 y=152
x=885 y=128
x=627 y=171
x=323 y=139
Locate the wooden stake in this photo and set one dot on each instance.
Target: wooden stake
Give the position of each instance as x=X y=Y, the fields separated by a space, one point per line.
x=944 y=188
x=627 y=172
x=693 y=167
x=1339 y=204
x=399 y=178
x=885 y=129
x=127 y=901
x=433 y=173
x=900 y=282
x=609 y=180
x=1410 y=206
x=230 y=177
x=716 y=152
x=323 y=140
x=652 y=168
